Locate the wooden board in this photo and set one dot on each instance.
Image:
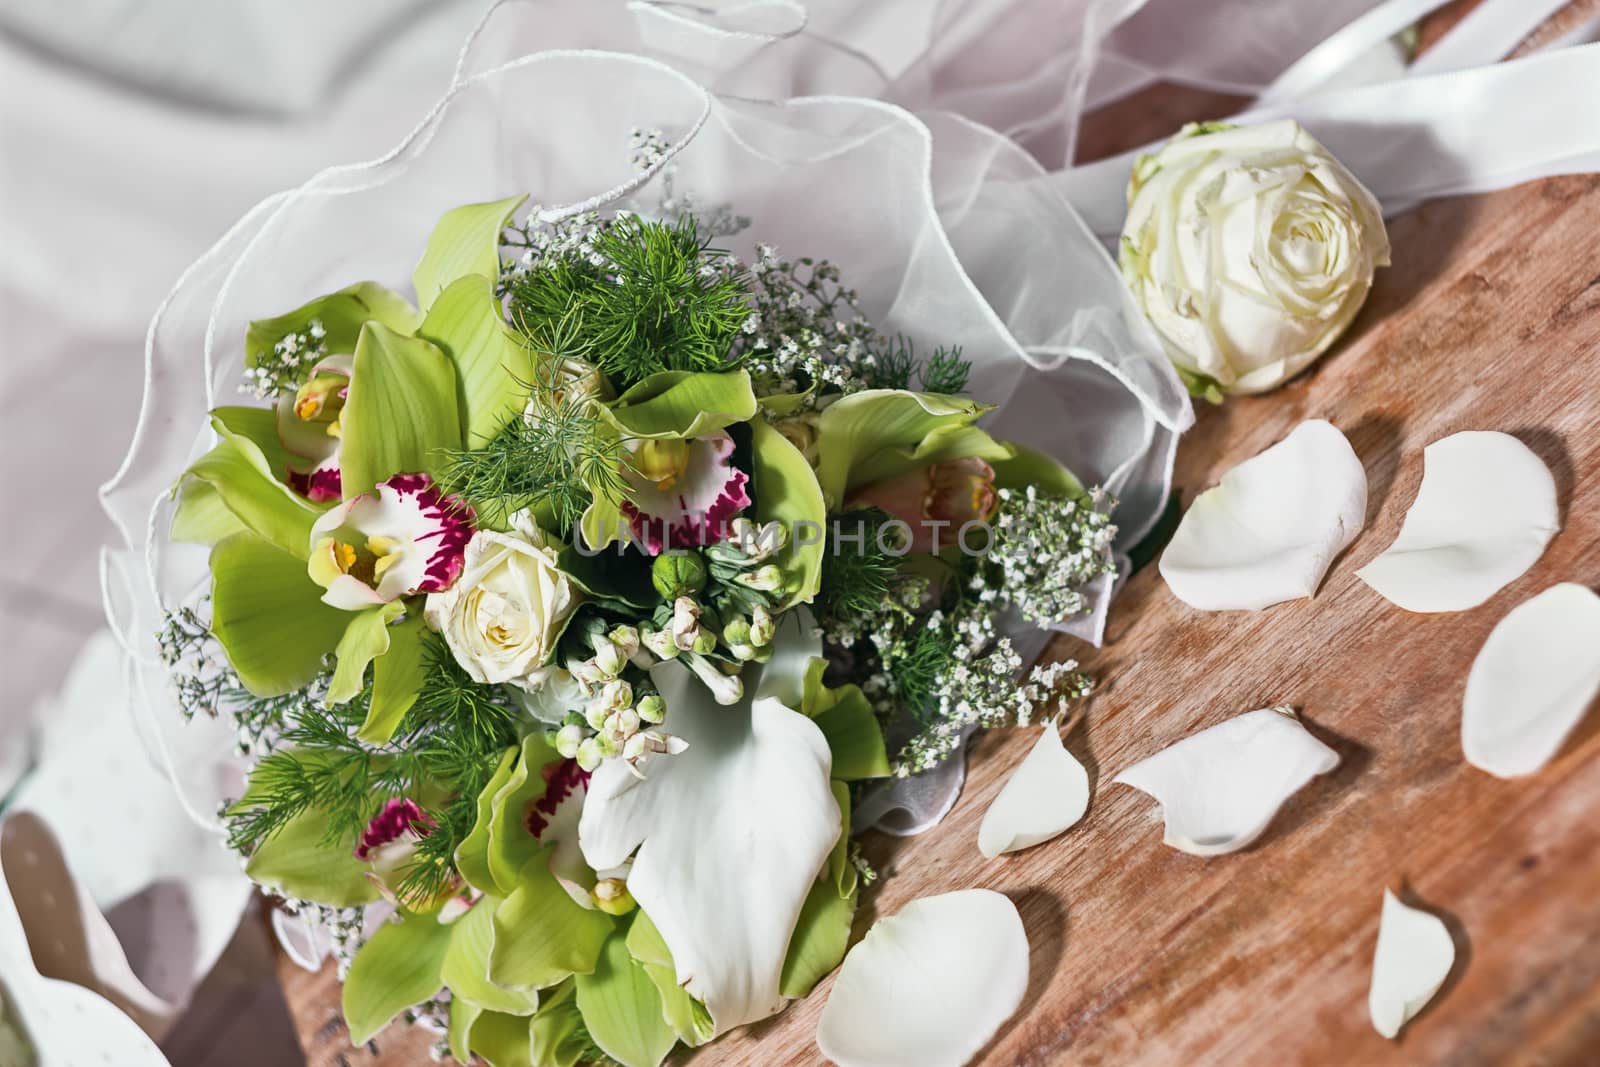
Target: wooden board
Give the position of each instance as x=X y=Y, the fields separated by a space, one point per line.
x=1489 y=319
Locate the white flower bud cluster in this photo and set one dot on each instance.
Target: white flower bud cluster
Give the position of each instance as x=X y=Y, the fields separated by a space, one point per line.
x=616 y=721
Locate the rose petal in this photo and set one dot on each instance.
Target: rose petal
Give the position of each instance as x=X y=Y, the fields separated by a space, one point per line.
x=1268 y=532
x=1218 y=789
x=1533 y=680
x=1482 y=517
x=1414 y=955
x=930 y=986
x=1046 y=794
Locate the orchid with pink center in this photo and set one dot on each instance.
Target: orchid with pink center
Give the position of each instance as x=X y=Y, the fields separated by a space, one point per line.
x=387 y=846
x=939 y=497
x=683 y=492
x=407 y=537
x=309 y=423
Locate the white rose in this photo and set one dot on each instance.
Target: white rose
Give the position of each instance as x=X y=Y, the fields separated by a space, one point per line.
x=1251 y=249
x=503 y=615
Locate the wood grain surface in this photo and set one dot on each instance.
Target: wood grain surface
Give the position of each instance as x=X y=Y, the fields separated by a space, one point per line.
x=1488 y=319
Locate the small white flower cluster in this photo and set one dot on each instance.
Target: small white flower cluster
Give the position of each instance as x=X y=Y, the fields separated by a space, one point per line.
x=345 y=927
x=616 y=719
x=285 y=366
x=807 y=328
x=542 y=244
x=1046 y=548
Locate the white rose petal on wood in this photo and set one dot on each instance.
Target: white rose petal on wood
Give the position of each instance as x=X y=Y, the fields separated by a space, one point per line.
x=1268 y=532
x=1218 y=789
x=1483 y=515
x=1532 y=681
x=1414 y=956
x=930 y=986
x=1046 y=794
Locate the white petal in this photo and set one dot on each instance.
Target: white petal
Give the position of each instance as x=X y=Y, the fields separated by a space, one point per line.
x=1047 y=793
x=1482 y=517
x=930 y=986
x=1268 y=532
x=730 y=833
x=1533 y=680
x=1414 y=955
x=1219 y=788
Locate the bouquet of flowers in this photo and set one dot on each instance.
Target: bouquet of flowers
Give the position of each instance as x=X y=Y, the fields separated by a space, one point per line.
x=529 y=589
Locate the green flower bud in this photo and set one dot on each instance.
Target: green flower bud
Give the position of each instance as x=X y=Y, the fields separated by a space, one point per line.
x=569 y=739
x=612 y=897
x=762 y=626
x=704 y=643
x=679 y=572
x=765 y=579
x=737 y=632
x=652 y=708
x=589 y=755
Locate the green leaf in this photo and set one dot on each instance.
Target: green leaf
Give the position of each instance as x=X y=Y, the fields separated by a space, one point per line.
x=558 y=1029
x=462 y=1017
x=622 y=1010
x=843 y=872
x=786 y=491
x=542 y=935
x=342 y=315
x=269 y=616
x=864 y=437
x=397 y=678
x=472 y=855
x=365 y=639
x=237 y=472
x=854 y=737
x=297 y=861
x=398 y=967
x=494 y=366
x=820 y=938
x=466 y=240
x=260 y=427
x=401 y=411
x=688 y=1017
x=601 y=523
x=1029 y=466
x=466 y=965
x=511 y=845
x=678 y=403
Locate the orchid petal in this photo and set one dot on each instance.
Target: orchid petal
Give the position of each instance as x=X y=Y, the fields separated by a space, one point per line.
x=698 y=507
x=465 y=240
x=465 y=970
x=399 y=966
x=1268 y=532
x=747 y=804
x=787 y=492
x=1484 y=513
x=1045 y=795
x=401 y=412
x=472 y=854
x=266 y=613
x=1218 y=789
x=1532 y=681
x=342 y=314
x=1414 y=955
x=862 y=438
x=493 y=365
x=929 y=986
x=297 y=861
x=364 y=640
x=621 y=1009
x=397 y=679
x=683 y=404
x=540 y=935
x=820 y=937
x=686 y=1015
x=238 y=473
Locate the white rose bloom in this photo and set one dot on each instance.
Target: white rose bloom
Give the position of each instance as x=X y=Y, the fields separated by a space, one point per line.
x=503 y=615
x=1251 y=249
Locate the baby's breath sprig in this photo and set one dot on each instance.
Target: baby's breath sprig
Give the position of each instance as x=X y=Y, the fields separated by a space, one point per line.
x=1047 y=547
x=284 y=366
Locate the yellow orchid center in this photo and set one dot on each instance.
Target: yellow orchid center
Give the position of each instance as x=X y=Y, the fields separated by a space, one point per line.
x=321 y=399
x=385 y=551
x=662 y=461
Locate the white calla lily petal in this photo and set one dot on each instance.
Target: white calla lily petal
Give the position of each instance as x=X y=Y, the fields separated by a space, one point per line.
x=1046 y=794
x=1414 y=956
x=730 y=835
x=1534 y=678
x=1218 y=789
x=1484 y=513
x=1269 y=530
x=929 y=986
